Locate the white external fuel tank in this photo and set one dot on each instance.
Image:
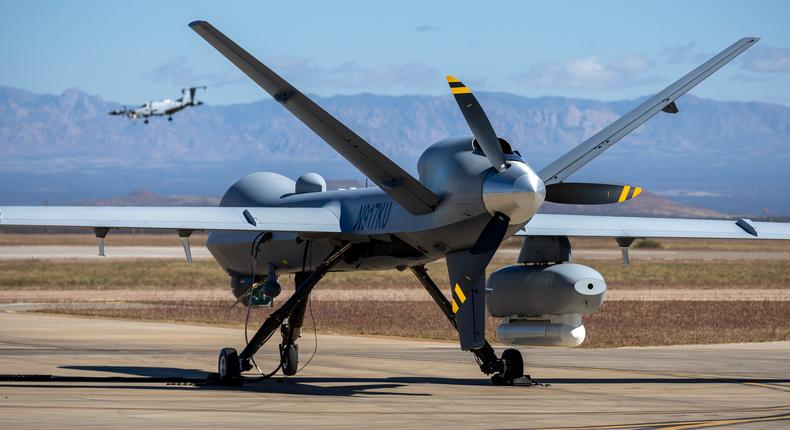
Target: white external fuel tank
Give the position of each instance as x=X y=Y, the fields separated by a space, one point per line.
x=558 y=330
x=542 y=305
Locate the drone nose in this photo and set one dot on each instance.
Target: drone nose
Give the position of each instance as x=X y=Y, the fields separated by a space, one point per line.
x=516 y=192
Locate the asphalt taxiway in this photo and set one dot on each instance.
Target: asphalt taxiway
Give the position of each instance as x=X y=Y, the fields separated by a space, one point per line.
x=96 y=373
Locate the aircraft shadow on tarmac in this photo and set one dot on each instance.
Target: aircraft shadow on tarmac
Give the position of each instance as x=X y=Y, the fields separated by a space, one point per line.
x=174 y=378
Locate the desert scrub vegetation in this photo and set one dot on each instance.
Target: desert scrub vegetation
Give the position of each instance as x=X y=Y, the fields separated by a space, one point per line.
x=617 y=324
x=206 y=274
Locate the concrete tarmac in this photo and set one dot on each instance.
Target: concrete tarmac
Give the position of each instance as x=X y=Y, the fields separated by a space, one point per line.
x=124 y=374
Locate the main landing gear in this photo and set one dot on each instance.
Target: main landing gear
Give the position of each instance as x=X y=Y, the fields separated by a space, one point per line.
x=504 y=370
x=231 y=364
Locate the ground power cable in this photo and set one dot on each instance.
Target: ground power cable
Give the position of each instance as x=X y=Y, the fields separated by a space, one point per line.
x=256 y=243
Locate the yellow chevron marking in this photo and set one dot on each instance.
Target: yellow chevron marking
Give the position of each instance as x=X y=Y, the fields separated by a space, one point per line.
x=460 y=90
x=624 y=194
x=455 y=307
x=637 y=191
x=451 y=78
x=459 y=293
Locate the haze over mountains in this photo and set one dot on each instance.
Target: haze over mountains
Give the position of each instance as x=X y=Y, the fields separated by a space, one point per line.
x=726 y=156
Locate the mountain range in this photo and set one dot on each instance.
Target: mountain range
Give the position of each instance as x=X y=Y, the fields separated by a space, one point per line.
x=725 y=156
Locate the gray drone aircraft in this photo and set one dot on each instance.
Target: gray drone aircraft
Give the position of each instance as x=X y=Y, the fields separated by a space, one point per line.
x=471 y=194
x=162 y=107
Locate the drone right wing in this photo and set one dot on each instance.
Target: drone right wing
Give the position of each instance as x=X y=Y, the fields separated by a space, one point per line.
x=396 y=182
x=210 y=218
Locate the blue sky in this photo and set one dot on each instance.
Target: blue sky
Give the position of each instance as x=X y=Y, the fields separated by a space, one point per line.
x=131 y=52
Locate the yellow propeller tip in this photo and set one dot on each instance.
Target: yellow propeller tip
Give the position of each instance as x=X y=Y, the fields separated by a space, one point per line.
x=451 y=78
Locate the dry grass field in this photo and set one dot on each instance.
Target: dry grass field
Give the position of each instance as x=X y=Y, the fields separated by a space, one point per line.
x=619 y=323
x=206 y=274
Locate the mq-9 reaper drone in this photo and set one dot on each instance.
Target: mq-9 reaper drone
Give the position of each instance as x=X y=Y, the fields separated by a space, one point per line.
x=472 y=193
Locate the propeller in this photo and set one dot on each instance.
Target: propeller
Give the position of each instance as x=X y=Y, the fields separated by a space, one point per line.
x=576 y=193
x=478 y=122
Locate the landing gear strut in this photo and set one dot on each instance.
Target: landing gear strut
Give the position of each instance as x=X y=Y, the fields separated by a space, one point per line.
x=231 y=365
x=504 y=370
x=292 y=330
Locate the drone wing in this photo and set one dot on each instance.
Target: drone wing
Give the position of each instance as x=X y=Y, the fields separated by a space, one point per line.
x=174 y=218
x=640 y=227
x=402 y=187
x=663 y=101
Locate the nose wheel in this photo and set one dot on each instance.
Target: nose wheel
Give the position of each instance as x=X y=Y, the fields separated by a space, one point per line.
x=512 y=364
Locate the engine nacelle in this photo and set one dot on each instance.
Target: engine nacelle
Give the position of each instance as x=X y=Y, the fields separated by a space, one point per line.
x=543 y=305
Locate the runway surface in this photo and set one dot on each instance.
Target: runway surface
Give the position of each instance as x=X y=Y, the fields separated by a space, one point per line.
x=119 y=374
x=32 y=252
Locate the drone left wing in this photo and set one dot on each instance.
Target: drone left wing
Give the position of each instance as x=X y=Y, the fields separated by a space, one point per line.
x=175 y=218
x=640 y=227
x=406 y=190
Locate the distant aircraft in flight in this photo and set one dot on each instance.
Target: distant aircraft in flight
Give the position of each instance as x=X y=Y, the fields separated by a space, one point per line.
x=162 y=107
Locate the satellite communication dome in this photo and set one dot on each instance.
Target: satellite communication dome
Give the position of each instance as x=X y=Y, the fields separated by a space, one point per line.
x=310 y=183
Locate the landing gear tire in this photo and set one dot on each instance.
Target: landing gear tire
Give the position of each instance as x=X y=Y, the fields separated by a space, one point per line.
x=290 y=359
x=513 y=368
x=228 y=365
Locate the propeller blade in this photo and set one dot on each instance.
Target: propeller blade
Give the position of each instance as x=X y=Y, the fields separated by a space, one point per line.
x=467 y=271
x=577 y=193
x=478 y=122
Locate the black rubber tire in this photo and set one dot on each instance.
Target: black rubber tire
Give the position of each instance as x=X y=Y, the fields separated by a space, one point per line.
x=514 y=364
x=290 y=359
x=499 y=380
x=228 y=365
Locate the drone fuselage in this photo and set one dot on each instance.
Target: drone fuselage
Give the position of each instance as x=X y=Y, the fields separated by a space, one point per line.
x=386 y=236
